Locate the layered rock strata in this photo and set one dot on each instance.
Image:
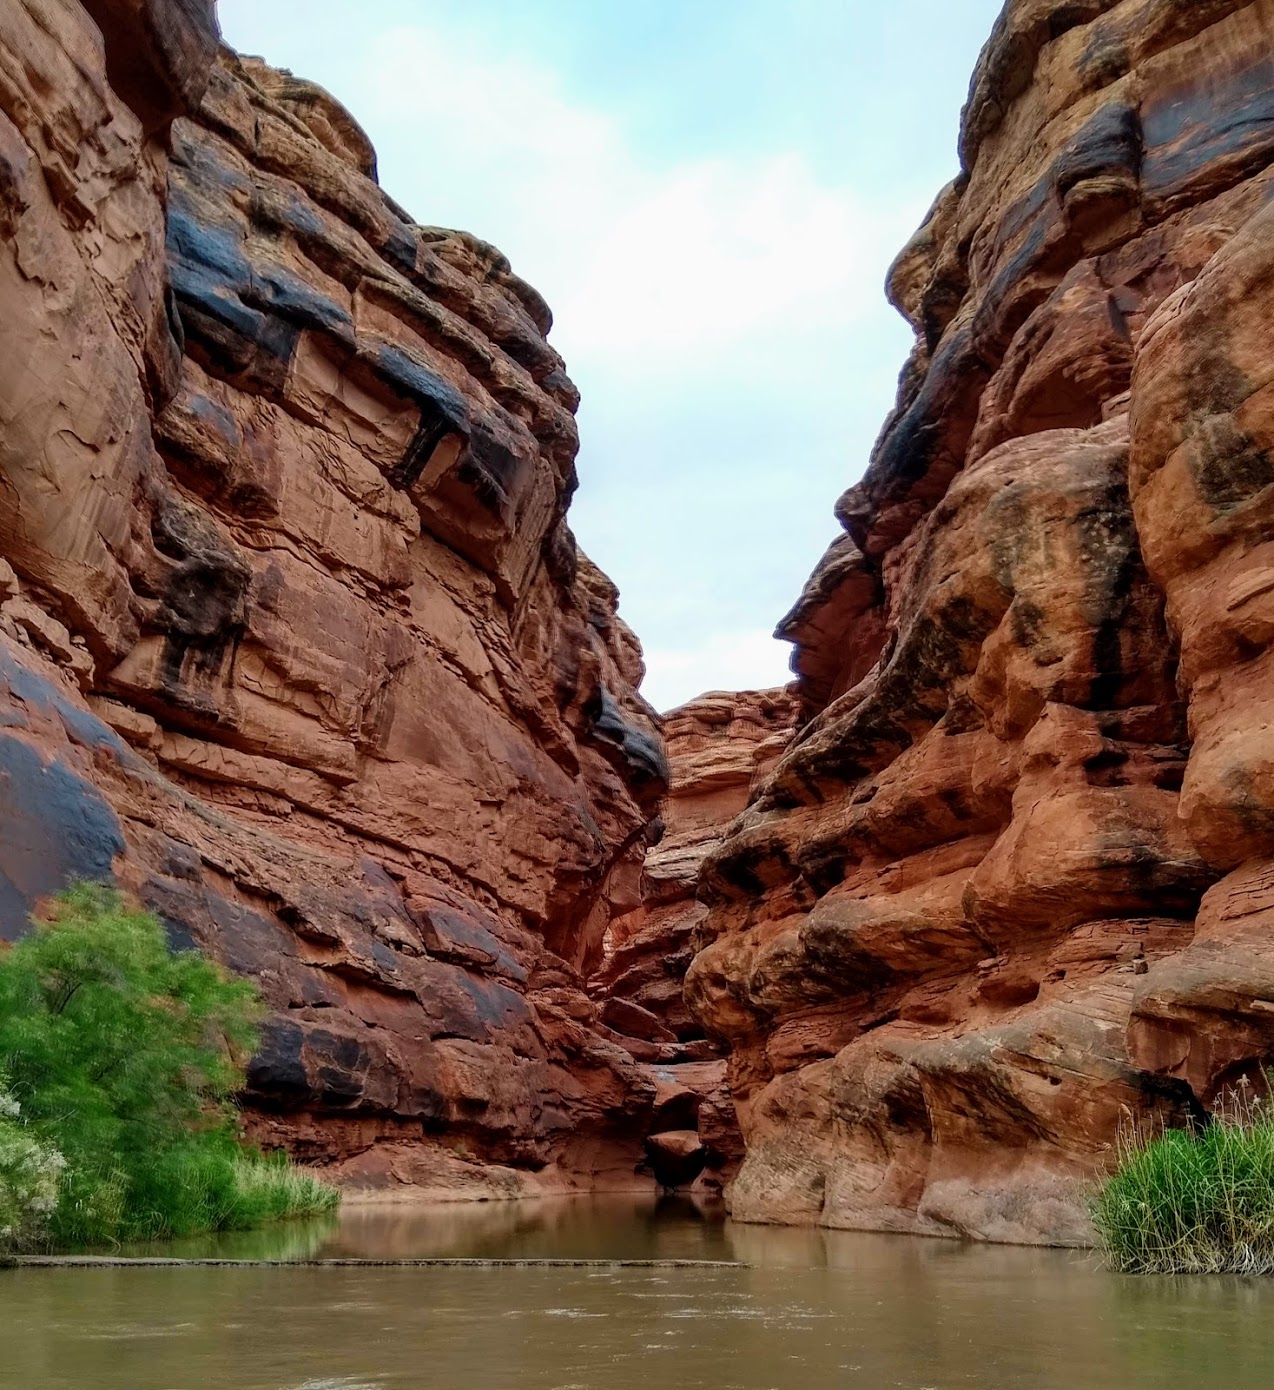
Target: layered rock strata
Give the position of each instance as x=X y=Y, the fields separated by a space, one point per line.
x=1011 y=885
x=720 y=746
x=295 y=643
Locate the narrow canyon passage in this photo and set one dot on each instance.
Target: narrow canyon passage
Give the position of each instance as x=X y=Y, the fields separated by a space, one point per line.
x=298 y=648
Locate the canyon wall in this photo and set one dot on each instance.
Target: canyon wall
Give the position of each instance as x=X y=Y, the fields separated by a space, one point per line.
x=1012 y=885
x=295 y=643
x=720 y=746
x=296 y=646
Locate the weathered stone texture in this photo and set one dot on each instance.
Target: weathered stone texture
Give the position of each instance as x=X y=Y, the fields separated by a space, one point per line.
x=720 y=746
x=295 y=640
x=1011 y=880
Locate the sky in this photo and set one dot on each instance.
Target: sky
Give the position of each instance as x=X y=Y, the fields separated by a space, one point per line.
x=709 y=194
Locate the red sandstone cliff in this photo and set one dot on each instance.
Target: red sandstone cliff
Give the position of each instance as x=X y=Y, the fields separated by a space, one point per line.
x=1015 y=877
x=294 y=640
x=295 y=644
x=719 y=746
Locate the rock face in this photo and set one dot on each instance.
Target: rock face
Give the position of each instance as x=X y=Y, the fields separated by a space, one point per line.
x=1014 y=879
x=719 y=747
x=295 y=645
x=294 y=640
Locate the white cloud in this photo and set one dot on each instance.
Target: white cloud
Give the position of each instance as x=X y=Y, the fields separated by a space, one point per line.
x=721 y=315
x=657 y=266
x=709 y=308
x=750 y=660
x=712 y=258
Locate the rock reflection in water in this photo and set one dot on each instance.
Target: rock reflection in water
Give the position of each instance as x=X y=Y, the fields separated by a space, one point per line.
x=812 y=1308
x=632 y=1227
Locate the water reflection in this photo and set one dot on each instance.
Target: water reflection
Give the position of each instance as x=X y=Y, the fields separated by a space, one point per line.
x=813 y=1309
x=286 y=1240
x=632 y=1227
x=575 y=1228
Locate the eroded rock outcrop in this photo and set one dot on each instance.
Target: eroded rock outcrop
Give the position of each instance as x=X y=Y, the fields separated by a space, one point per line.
x=294 y=641
x=720 y=746
x=1012 y=881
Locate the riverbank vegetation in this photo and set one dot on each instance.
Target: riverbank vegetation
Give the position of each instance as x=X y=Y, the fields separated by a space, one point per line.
x=119 y=1063
x=1194 y=1203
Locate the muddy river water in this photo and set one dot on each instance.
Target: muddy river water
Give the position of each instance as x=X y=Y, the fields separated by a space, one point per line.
x=807 y=1310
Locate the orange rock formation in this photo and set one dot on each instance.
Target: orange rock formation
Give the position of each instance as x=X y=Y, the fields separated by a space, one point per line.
x=296 y=645
x=1012 y=881
x=295 y=641
x=719 y=746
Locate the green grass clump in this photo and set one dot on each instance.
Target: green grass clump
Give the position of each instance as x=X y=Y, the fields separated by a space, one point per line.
x=270 y=1188
x=124 y=1058
x=1194 y=1203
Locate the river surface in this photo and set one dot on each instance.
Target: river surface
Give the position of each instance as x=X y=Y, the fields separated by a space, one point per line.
x=814 y=1310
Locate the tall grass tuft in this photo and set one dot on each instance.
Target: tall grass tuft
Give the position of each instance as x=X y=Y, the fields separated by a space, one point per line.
x=122 y=1060
x=270 y=1188
x=1194 y=1203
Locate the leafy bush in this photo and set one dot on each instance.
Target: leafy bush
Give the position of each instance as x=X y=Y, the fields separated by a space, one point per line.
x=125 y=1057
x=1183 y=1203
x=30 y=1175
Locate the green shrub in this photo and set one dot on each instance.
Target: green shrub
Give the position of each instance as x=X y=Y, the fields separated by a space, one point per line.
x=1203 y=1203
x=125 y=1058
x=30 y=1179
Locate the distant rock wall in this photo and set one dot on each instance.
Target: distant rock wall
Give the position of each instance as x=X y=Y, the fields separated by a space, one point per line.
x=720 y=746
x=1014 y=879
x=294 y=640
